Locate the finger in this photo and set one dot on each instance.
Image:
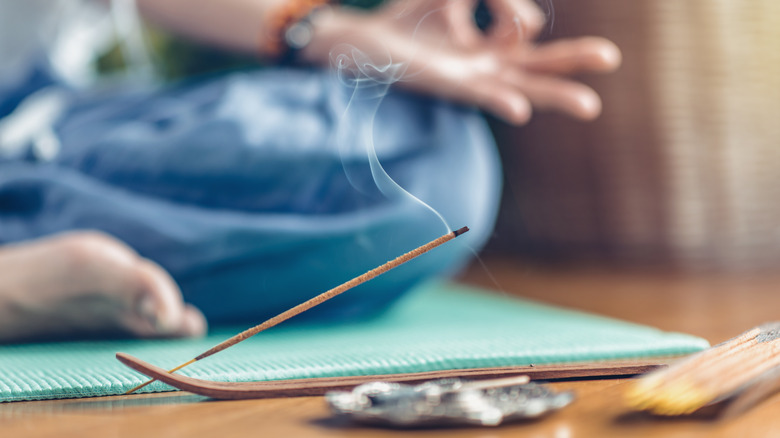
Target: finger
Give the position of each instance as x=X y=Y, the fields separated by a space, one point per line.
x=459 y=16
x=501 y=99
x=504 y=102
x=569 y=56
x=551 y=93
x=515 y=20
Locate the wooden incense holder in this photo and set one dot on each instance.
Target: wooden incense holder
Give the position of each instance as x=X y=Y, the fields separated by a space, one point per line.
x=317 y=300
x=321 y=385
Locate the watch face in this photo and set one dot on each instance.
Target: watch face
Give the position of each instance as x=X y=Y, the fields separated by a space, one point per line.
x=299 y=35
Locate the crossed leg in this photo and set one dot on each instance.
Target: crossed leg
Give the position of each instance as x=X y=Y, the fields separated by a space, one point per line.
x=86 y=284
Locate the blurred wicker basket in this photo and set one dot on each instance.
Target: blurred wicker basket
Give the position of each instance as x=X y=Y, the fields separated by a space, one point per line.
x=683 y=167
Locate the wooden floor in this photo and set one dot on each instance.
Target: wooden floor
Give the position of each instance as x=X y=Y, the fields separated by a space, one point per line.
x=715 y=307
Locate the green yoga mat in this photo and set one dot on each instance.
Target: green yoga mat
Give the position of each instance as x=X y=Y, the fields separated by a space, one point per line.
x=437 y=327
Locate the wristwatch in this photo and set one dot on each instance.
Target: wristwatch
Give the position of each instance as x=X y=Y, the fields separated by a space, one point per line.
x=299 y=34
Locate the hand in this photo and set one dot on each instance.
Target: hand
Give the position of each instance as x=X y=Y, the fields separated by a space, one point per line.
x=441 y=52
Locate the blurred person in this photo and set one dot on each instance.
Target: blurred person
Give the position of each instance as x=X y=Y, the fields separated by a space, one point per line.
x=146 y=212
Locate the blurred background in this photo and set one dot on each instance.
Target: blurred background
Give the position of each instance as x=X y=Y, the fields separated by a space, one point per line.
x=682 y=169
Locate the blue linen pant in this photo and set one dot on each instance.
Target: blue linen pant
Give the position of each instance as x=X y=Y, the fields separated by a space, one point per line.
x=254 y=190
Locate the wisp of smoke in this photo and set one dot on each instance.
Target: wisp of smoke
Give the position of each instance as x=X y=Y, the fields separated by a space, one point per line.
x=369 y=83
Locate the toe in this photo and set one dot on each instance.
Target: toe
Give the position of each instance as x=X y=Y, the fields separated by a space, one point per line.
x=159 y=309
x=194 y=323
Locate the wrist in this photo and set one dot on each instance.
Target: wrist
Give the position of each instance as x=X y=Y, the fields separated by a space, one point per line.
x=286 y=27
x=330 y=27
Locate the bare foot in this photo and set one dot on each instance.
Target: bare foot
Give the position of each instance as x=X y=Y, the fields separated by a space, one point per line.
x=87 y=284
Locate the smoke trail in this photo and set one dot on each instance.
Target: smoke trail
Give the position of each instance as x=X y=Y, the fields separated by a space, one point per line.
x=370 y=83
x=369 y=76
x=549 y=11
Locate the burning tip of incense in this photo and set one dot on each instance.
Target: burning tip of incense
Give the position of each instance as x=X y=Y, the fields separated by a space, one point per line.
x=460 y=231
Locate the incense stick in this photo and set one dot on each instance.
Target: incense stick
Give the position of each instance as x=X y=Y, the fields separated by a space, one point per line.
x=493 y=383
x=319 y=299
x=713 y=375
